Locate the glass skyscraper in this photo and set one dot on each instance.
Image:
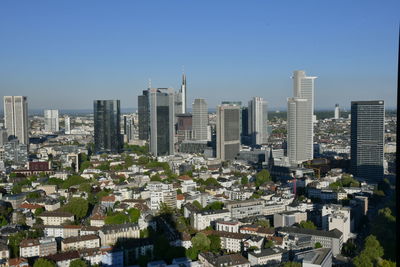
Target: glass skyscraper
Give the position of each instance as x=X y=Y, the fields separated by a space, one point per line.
x=367 y=139
x=107 y=128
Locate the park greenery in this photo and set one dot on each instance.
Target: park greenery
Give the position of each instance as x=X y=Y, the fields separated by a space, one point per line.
x=131 y=216
x=307 y=225
x=372 y=255
x=345 y=181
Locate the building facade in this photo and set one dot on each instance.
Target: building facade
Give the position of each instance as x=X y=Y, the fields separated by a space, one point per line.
x=107 y=128
x=200 y=119
x=51 y=121
x=258 y=121
x=16 y=117
x=367 y=139
x=228 y=131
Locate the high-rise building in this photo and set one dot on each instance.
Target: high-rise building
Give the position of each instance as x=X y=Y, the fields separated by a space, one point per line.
x=183 y=93
x=228 y=131
x=245 y=139
x=367 y=139
x=16 y=117
x=144 y=115
x=258 y=120
x=162 y=121
x=3 y=136
x=51 y=122
x=300 y=130
x=184 y=127
x=200 y=119
x=337 y=112
x=107 y=127
x=67 y=124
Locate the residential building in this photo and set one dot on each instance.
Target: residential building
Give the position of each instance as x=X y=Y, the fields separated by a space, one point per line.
x=258 y=121
x=268 y=256
x=80 y=242
x=38 y=247
x=51 y=121
x=336 y=217
x=110 y=234
x=56 y=217
x=300 y=131
x=4 y=254
x=200 y=119
x=367 y=139
x=321 y=257
x=203 y=219
x=289 y=218
x=16 y=117
x=16 y=152
x=208 y=259
x=246 y=208
x=228 y=131
x=107 y=128
x=231 y=226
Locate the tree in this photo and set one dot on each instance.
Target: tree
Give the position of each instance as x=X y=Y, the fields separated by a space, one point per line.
x=307 y=225
x=262 y=177
x=192 y=253
x=269 y=244
x=215 y=243
x=216 y=205
x=73 y=180
x=116 y=218
x=77 y=206
x=134 y=215
x=373 y=248
x=43 y=263
x=200 y=242
x=78 y=263
x=38 y=211
x=349 y=248
x=211 y=182
x=317 y=245
x=197 y=205
x=263 y=223
x=362 y=260
x=244 y=180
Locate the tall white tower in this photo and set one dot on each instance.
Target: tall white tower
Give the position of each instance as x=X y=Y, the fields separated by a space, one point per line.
x=16 y=117
x=51 y=122
x=183 y=93
x=300 y=119
x=67 y=123
x=337 y=112
x=258 y=120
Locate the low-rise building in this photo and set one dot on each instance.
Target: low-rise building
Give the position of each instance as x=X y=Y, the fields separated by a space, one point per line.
x=268 y=257
x=37 y=247
x=289 y=218
x=56 y=217
x=110 y=234
x=208 y=259
x=80 y=242
x=203 y=219
x=244 y=209
x=321 y=257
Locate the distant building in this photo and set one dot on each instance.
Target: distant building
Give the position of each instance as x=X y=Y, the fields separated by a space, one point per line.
x=258 y=121
x=51 y=121
x=67 y=123
x=300 y=131
x=367 y=139
x=16 y=117
x=107 y=126
x=321 y=257
x=337 y=112
x=228 y=131
x=162 y=119
x=184 y=126
x=289 y=218
x=208 y=259
x=144 y=115
x=113 y=233
x=16 y=152
x=200 y=119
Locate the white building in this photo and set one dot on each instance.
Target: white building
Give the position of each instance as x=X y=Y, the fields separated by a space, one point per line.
x=67 y=123
x=51 y=121
x=337 y=112
x=258 y=121
x=300 y=129
x=268 y=257
x=16 y=117
x=336 y=217
x=202 y=220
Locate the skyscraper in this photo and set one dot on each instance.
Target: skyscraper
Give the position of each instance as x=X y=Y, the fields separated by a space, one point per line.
x=107 y=128
x=51 y=123
x=300 y=130
x=162 y=120
x=183 y=93
x=67 y=123
x=367 y=139
x=258 y=120
x=16 y=117
x=199 y=119
x=337 y=112
x=228 y=131
x=144 y=115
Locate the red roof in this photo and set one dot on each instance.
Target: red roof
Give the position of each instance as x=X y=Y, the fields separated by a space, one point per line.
x=184 y=177
x=180 y=197
x=30 y=206
x=17 y=261
x=108 y=199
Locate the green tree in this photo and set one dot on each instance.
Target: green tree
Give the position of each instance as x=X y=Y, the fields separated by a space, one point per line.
x=262 y=177
x=73 y=180
x=77 y=206
x=307 y=225
x=116 y=218
x=143 y=160
x=269 y=244
x=134 y=215
x=292 y=264
x=362 y=260
x=43 y=263
x=317 y=245
x=192 y=253
x=38 y=211
x=200 y=242
x=373 y=248
x=216 y=205
x=215 y=243
x=244 y=180
x=263 y=223
x=78 y=263
x=197 y=205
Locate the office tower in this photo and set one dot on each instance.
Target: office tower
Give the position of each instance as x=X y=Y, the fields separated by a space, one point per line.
x=162 y=118
x=107 y=127
x=236 y=103
x=367 y=139
x=183 y=93
x=51 y=123
x=3 y=136
x=257 y=121
x=144 y=115
x=228 y=131
x=337 y=112
x=244 y=136
x=67 y=123
x=129 y=128
x=300 y=130
x=178 y=103
x=15 y=152
x=200 y=119
x=184 y=127
x=16 y=117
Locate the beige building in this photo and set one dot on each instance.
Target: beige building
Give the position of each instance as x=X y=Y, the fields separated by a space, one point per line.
x=56 y=217
x=110 y=234
x=80 y=242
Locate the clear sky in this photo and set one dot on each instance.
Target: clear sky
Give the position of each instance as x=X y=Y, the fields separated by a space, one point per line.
x=64 y=54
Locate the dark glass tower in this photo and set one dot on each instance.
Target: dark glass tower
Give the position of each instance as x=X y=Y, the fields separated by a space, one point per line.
x=107 y=128
x=367 y=139
x=144 y=116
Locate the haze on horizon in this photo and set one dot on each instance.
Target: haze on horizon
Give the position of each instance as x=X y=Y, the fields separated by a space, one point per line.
x=65 y=54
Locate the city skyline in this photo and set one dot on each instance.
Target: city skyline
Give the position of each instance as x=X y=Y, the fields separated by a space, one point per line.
x=247 y=51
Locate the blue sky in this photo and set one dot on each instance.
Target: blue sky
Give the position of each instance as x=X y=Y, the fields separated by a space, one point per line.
x=64 y=54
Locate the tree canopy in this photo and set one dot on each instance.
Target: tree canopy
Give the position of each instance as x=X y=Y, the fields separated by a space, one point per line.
x=201 y=242
x=307 y=225
x=262 y=177
x=43 y=263
x=77 y=206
